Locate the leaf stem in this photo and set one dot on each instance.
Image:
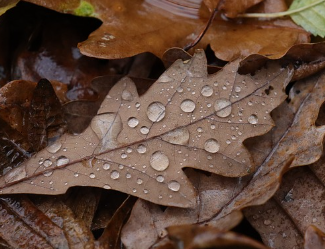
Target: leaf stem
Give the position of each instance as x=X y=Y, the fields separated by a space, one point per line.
x=279 y=14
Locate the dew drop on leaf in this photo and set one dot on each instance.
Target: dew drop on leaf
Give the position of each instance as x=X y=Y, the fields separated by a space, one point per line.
x=139 y=181
x=237 y=89
x=92 y=176
x=62 y=160
x=206 y=91
x=133 y=122
x=126 y=95
x=53 y=148
x=142 y=149
x=164 y=79
x=174 y=186
x=160 y=178
x=159 y=161
x=144 y=130
x=212 y=145
x=48 y=173
x=222 y=107
x=47 y=163
x=252 y=119
x=179 y=136
x=156 y=111
x=106 y=166
x=107 y=186
x=115 y=174
x=128 y=175
x=187 y=105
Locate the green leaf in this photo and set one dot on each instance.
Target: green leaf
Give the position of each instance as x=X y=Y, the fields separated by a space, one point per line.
x=311 y=19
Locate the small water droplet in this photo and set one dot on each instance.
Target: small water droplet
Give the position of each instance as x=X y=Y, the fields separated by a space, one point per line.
x=212 y=145
x=199 y=129
x=62 y=160
x=164 y=78
x=144 y=130
x=76 y=174
x=139 y=181
x=314 y=220
x=267 y=222
x=129 y=150
x=237 y=89
x=179 y=136
x=123 y=155
x=187 y=105
x=48 y=173
x=180 y=89
x=160 y=178
x=142 y=149
x=134 y=190
x=228 y=141
x=252 y=119
x=207 y=91
x=222 y=107
x=92 y=176
x=127 y=95
x=137 y=105
x=174 y=186
x=115 y=174
x=128 y=175
x=213 y=126
x=145 y=191
x=159 y=161
x=133 y=122
x=53 y=148
x=156 y=111
x=106 y=186
x=106 y=166
x=47 y=163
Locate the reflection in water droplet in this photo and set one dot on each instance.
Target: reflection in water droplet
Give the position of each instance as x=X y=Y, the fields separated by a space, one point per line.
x=222 y=107
x=187 y=105
x=159 y=161
x=252 y=119
x=54 y=147
x=174 y=186
x=212 y=145
x=115 y=174
x=139 y=181
x=160 y=178
x=107 y=186
x=207 y=91
x=156 y=111
x=92 y=176
x=48 y=173
x=47 y=163
x=126 y=95
x=142 y=149
x=106 y=166
x=62 y=160
x=133 y=122
x=144 y=130
x=180 y=136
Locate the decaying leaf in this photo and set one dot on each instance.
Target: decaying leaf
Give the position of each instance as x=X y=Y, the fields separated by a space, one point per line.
x=132 y=143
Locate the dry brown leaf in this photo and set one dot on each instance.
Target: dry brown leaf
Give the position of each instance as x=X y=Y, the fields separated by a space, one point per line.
x=154 y=26
x=314 y=238
x=131 y=145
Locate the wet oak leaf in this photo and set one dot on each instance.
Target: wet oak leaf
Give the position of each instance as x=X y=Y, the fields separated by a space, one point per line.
x=139 y=145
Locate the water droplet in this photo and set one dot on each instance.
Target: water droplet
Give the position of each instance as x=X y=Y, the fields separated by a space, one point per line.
x=228 y=141
x=174 y=186
x=314 y=220
x=237 y=89
x=142 y=149
x=267 y=222
x=199 y=129
x=76 y=174
x=106 y=186
x=207 y=91
x=159 y=161
x=179 y=136
x=92 y=176
x=144 y=130
x=115 y=174
x=180 y=89
x=48 y=173
x=156 y=111
x=145 y=191
x=187 y=105
x=164 y=78
x=134 y=190
x=47 y=163
x=129 y=150
x=252 y=119
x=160 y=178
x=126 y=95
x=213 y=126
x=133 y=122
x=222 y=107
x=128 y=175
x=106 y=166
x=62 y=160
x=137 y=105
x=139 y=181
x=212 y=145
x=53 y=148
x=123 y=155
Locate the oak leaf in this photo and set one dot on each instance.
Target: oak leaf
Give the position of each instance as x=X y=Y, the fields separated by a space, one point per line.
x=140 y=145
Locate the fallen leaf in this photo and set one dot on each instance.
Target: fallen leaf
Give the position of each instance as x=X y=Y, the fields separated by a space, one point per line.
x=129 y=127
x=314 y=238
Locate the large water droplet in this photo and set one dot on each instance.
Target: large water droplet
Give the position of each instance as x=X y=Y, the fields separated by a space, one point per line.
x=164 y=78
x=133 y=122
x=237 y=89
x=115 y=174
x=142 y=149
x=127 y=95
x=180 y=136
x=53 y=148
x=212 y=145
x=159 y=161
x=47 y=163
x=48 y=173
x=106 y=166
x=156 y=111
x=160 y=178
x=174 y=186
x=15 y=174
x=62 y=160
x=207 y=91
x=144 y=130
x=187 y=105
x=222 y=107
x=252 y=119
